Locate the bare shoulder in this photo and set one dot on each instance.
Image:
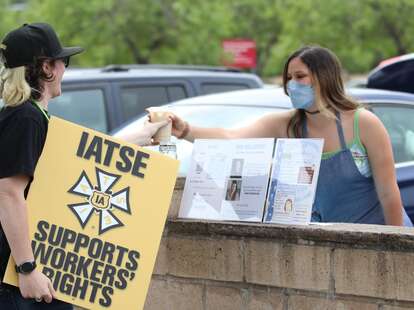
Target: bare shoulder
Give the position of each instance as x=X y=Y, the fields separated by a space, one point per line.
x=370 y=126
x=368 y=120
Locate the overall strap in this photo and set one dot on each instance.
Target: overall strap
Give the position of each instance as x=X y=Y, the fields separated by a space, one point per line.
x=338 y=126
x=340 y=130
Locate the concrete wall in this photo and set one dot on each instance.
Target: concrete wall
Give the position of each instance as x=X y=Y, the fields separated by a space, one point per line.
x=215 y=265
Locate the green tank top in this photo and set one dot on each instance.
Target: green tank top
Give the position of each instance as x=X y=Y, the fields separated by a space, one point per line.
x=358 y=151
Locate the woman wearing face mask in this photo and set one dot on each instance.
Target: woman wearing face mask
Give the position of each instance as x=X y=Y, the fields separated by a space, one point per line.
x=32 y=63
x=357 y=182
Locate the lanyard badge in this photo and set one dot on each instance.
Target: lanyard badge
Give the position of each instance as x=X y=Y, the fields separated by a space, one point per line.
x=41 y=110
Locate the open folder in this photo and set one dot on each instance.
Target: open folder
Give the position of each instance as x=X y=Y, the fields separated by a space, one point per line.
x=255 y=180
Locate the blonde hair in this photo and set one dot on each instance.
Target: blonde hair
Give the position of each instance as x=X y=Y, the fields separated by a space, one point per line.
x=14 y=89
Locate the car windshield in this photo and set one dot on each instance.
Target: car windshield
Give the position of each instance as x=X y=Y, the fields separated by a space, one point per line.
x=210 y=115
x=227 y=116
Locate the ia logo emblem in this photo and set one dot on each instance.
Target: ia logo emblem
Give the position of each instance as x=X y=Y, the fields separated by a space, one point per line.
x=100 y=199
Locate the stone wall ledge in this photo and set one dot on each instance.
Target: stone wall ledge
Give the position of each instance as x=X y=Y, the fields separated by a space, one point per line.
x=281 y=290
x=356 y=236
x=289 y=293
x=210 y=265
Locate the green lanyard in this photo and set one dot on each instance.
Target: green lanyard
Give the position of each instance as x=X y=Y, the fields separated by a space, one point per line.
x=41 y=110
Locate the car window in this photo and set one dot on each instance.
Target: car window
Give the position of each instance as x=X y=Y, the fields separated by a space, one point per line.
x=135 y=100
x=176 y=93
x=212 y=88
x=83 y=107
x=398 y=120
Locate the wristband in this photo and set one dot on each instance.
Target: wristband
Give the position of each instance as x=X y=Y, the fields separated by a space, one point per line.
x=185 y=131
x=26 y=267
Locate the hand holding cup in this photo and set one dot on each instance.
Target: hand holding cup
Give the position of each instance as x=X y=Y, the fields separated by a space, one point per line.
x=163 y=135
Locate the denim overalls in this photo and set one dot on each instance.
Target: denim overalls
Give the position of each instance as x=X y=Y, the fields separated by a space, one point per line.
x=343 y=194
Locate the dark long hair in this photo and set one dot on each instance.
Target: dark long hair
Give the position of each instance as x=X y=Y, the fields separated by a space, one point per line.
x=326 y=71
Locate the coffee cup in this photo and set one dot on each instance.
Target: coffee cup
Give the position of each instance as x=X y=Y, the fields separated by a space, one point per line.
x=163 y=135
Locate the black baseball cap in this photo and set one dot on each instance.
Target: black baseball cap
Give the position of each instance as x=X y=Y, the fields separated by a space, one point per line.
x=23 y=45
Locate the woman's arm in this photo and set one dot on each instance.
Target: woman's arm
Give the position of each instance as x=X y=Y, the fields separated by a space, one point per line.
x=375 y=138
x=13 y=219
x=272 y=125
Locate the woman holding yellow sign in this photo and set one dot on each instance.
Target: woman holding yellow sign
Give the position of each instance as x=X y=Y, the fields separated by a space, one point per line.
x=32 y=63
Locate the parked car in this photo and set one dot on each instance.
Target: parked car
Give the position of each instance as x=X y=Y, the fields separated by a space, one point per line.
x=103 y=99
x=235 y=109
x=360 y=82
x=396 y=74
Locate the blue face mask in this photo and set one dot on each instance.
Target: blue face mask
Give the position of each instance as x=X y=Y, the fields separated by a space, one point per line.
x=301 y=95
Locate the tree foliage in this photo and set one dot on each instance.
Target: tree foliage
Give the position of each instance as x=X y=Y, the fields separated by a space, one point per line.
x=361 y=33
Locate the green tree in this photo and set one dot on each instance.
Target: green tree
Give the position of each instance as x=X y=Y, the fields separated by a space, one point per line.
x=361 y=33
x=112 y=31
x=8 y=17
x=259 y=20
x=392 y=27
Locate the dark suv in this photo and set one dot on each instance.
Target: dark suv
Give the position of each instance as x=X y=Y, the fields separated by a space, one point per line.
x=103 y=99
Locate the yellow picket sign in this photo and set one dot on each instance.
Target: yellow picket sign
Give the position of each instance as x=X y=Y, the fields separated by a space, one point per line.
x=97 y=209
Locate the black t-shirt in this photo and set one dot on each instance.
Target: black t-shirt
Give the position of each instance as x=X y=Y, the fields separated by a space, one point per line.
x=23 y=131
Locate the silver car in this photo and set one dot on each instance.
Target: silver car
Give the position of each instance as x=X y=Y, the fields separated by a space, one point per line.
x=237 y=108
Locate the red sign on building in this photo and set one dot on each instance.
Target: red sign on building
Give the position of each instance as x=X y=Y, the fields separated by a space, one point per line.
x=239 y=53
